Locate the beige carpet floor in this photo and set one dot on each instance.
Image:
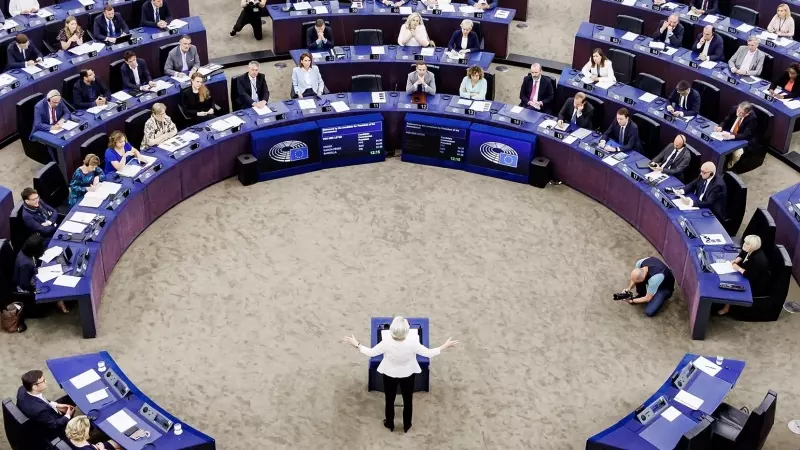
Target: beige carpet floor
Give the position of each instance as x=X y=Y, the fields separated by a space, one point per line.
x=229 y=309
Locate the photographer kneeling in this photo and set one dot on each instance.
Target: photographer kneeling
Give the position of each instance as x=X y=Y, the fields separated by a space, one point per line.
x=252 y=11
x=654 y=284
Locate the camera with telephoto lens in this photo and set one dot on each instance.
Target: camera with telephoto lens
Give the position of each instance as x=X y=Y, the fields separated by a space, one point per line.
x=624 y=295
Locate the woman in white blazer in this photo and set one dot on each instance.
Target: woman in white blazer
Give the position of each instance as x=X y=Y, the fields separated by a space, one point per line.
x=599 y=67
x=399 y=365
x=782 y=23
x=413 y=32
x=306 y=79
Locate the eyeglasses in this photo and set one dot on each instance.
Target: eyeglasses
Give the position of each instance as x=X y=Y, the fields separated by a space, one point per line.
x=705 y=172
x=40 y=382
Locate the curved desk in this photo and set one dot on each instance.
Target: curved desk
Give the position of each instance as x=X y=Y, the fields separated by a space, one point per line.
x=124 y=398
x=6 y=206
x=147 y=49
x=521 y=6
x=178 y=8
x=659 y=431
x=676 y=67
x=621 y=95
x=287 y=26
x=393 y=67
x=67 y=145
x=215 y=159
x=784 y=207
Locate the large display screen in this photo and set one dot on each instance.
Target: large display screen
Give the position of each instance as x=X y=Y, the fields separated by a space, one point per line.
x=438 y=138
x=501 y=150
x=286 y=148
x=351 y=137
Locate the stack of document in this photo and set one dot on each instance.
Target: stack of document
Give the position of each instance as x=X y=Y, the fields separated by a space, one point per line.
x=710 y=18
x=180 y=77
x=302 y=6
x=501 y=14
x=405 y=10
x=32 y=70
x=86 y=2
x=179 y=141
x=130 y=170
x=611 y=160
x=121 y=96
x=49 y=62
x=447 y=7
x=95 y=198
x=426 y=51
x=581 y=133
x=306 y=103
x=516 y=109
x=67 y=281
x=706 y=366
x=161 y=84
x=340 y=106
x=657 y=45
x=321 y=9
x=47 y=273
x=51 y=253
x=689 y=400
x=605 y=84
x=262 y=111
x=69 y=226
x=548 y=123
x=481 y=106
x=84 y=379
x=121 y=420
x=656 y=177
x=745 y=28
x=87 y=47
x=468 y=9
x=177 y=23
x=9 y=23
x=44 y=13
x=377 y=50
x=99 y=109
x=629 y=36
x=208 y=68
x=226 y=123
x=791 y=104
x=767 y=35
x=66 y=125
x=83 y=217
x=647 y=97
x=708 y=64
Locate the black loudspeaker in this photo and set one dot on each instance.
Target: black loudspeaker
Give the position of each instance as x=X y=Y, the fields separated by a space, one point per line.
x=540 y=173
x=247 y=167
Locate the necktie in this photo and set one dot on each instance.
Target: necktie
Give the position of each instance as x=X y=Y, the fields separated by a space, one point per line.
x=183 y=57
x=669 y=158
x=158 y=19
x=708 y=181
x=253 y=90
x=534 y=90
x=622 y=135
x=705 y=4
x=53 y=116
x=574 y=115
x=23 y=54
x=683 y=101
x=110 y=27
x=736 y=125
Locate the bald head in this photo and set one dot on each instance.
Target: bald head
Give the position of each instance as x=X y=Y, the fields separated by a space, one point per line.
x=673 y=20
x=707 y=170
x=536 y=70
x=637 y=275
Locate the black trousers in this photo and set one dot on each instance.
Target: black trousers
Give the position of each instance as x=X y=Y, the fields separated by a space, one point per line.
x=407 y=389
x=252 y=17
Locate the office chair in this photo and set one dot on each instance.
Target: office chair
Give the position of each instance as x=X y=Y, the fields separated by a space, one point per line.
x=766 y=68
x=163 y=54
x=649 y=83
x=368 y=36
x=746 y=15
x=51 y=30
x=693 y=167
x=736 y=202
x=699 y=437
x=755 y=153
x=134 y=127
x=235 y=91
x=709 y=99
x=98 y=144
x=304 y=29
x=729 y=44
x=649 y=134
x=599 y=111
x=90 y=28
x=796 y=18
x=630 y=23
x=20 y=431
x=623 y=63
x=115 y=75
x=66 y=86
x=736 y=429
x=33 y=150
x=762 y=225
x=366 y=83
x=489 y=77
x=19 y=232
x=52 y=187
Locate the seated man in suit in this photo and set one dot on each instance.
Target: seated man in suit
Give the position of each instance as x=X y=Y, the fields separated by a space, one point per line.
x=420 y=80
x=135 y=75
x=748 y=59
x=624 y=132
x=710 y=190
x=670 y=32
x=183 y=58
x=684 y=100
x=320 y=37
x=576 y=110
x=253 y=89
x=49 y=113
x=50 y=417
x=22 y=53
x=700 y=7
x=88 y=92
x=709 y=45
x=741 y=123
x=536 y=91
x=38 y=216
x=674 y=159
x=155 y=13
x=109 y=26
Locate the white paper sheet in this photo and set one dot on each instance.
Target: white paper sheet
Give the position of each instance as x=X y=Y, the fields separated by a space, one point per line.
x=69 y=125
x=44 y=13
x=121 y=96
x=84 y=379
x=501 y=14
x=581 y=133
x=6 y=79
x=235 y=121
x=647 y=97
x=671 y=413
x=767 y=35
x=718 y=135
x=379 y=97
x=321 y=9
x=684 y=207
x=208 y=68
x=121 y=421
x=86 y=2
x=710 y=18
x=130 y=170
x=96 y=396
x=706 y=366
x=427 y=51
x=468 y=9
x=708 y=64
x=49 y=62
x=9 y=23
x=547 y=123
x=570 y=139
x=447 y=8
x=792 y=104
x=481 y=106
x=307 y=103
x=611 y=161
x=377 y=50
x=220 y=125
x=657 y=45
x=99 y=109
x=93 y=199
x=405 y=10
x=629 y=36
x=723 y=267
x=67 y=281
x=69 y=226
x=161 y=84
x=177 y=23
x=713 y=239
x=82 y=217
x=669 y=51
x=628 y=2
x=51 y=253
x=464 y=102
x=604 y=84
x=31 y=69
x=108 y=187
x=689 y=400
x=745 y=28
x=302 y=6
x=180 y=77
x=783 y=42
x=516 y=109
x=262 y=111
x=47 y=273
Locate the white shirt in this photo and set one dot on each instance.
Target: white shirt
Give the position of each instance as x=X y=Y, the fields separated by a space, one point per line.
x=748 y=60
x=135 y=71
x=253 y=90
x=739 y=121
x=183 y=57
x=400 y=357
x=705 y=188
x=667 y=36
x=704 y=45
x=464 y=42
x=15 y=7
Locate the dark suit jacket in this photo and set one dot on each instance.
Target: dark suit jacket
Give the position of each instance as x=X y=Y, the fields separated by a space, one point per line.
x=24 y=271
x=148 y=14
x=677 y=35
x=756 y=270
x=545 y=95
x=630 y=139
x=711 y=6
x=33 y=219
x=311 y=38
x=99 y=31
x=80 y=94
x=584 y=121
x=677 y=164
x=243 y=85
x=716 y=195
x=692 y=102
x=41 y=115
x=472 y=41
x=747 y=129
x=716 y=49
x=42 y=414
x=14 y=56
x=127 y=75
x=781 y=82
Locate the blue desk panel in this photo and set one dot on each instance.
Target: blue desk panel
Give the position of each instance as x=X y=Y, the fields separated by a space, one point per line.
x=784 y=210
x=422 y=380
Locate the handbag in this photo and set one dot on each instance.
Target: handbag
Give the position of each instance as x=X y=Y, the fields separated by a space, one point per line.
x=11 y=318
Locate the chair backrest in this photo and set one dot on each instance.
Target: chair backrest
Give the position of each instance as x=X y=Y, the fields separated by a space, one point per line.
x=624 y=64
x=688 y=34
x=758 y=425
x=66 y=86
x=163 y=54
x=3 y=55
x=90 y=27
x=33 y=150
x=19 y=232
x=7 y=261
x=763 y=226
x=796 y=18
x=20 y=431
x=134 y=127
x=630 y=23
x=736 y=202
x=649 y=83
x=699 y=437
x=649 y=134
x=366 y=83
x=766 y=69
x=434 y=69
x=98 y=144
x=59 y=444
x=51 y=185
x=599 y=111
x=693 y=168
x=115 y=75
x=478 y=30
x=729 y=44
x=744 y=14
x=235 y=91
x=136 y=14
x=765 y=120
x=780 y=269
x=304 y=29
x=489 y=85
x=709 y=98
x=51 y=30
x=368 y=36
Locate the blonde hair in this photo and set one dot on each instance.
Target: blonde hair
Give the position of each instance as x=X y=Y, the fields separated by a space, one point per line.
x=753 y=241
x=786 y=7
x=91 y=160
x=411 y=16
x=66 y=27
x=466 y=23
x=78 y=428
x=399 y=328
x=158 y=108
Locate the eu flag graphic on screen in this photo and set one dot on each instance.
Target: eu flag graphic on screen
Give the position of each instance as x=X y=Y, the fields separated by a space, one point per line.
x=498 y=152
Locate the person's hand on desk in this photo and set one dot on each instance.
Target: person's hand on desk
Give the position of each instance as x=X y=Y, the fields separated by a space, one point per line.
x=737 y=267
x=30 y=63
x=656 y=167
x=111 y=39
x=674 y=111
x=698 y=12
x=686 y=200
x=100 y=101
x=161 y=24
x=260 y=104
x=534 y=104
